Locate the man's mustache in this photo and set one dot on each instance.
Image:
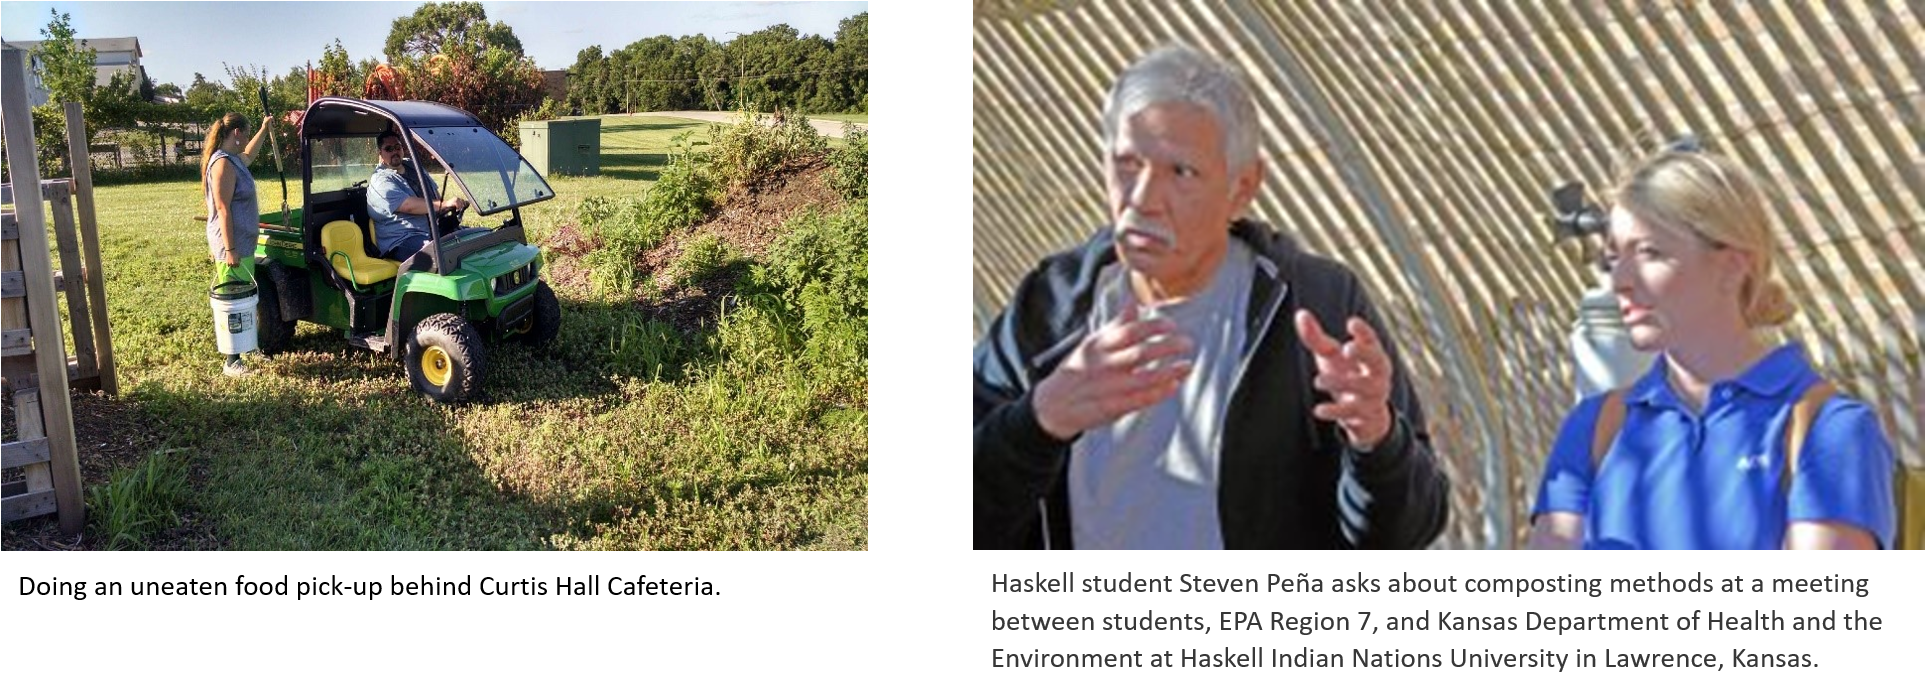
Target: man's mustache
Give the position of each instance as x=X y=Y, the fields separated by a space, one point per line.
x=1134 y=221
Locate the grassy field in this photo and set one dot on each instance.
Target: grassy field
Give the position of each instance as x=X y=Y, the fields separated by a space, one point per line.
x=585 y=444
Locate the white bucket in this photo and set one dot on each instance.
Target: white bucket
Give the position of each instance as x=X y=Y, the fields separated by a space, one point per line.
x=234 y=304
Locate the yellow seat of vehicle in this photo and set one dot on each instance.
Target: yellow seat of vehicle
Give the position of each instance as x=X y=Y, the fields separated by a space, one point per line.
x=342 y=240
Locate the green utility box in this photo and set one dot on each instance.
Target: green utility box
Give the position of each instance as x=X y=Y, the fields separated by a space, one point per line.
x=572 y=146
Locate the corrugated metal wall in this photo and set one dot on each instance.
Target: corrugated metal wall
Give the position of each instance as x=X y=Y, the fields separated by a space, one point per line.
x=1417 y=142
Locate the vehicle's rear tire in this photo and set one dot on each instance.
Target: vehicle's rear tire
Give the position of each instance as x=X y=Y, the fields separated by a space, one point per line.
x=546 y=319
x=445 y=359
x=274 y=332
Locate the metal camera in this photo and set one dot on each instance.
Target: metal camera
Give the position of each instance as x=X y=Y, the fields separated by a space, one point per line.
x=1573 y=216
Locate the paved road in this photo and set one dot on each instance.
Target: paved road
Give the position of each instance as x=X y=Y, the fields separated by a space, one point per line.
x=829 y=128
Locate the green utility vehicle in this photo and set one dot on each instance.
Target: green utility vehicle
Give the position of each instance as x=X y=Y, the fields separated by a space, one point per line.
x=320 y=264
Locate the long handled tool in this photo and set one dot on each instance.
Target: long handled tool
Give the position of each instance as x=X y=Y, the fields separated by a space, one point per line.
x=267 y=121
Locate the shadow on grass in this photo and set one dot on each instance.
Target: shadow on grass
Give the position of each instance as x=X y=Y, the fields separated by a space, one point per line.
x=642 y=166
x=361 y=469
x=640 y=127
x=598 y=345
x=327 y=447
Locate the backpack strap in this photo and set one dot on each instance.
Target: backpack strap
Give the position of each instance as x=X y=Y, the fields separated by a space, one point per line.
x=1805 y=410
x=1605 y=428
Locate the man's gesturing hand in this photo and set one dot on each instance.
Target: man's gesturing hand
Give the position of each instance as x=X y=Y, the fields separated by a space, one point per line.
x=1358 y=377
x=1125 y=366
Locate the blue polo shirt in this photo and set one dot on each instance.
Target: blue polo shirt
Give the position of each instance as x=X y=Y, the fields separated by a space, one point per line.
x=1676 y=480
x=387 y=189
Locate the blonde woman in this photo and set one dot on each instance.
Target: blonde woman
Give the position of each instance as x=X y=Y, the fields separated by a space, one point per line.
x=1700 y=456
x=233 y=211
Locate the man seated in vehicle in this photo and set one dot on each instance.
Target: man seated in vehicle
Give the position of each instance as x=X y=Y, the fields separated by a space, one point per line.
x=402 y=215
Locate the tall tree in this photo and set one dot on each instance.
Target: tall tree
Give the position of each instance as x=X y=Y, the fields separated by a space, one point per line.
x=717 y=71
x=204 y=94
x=769 y=63
x=448 y=27
x=335 y=74
x=585 y=82
x=66 y=69
x=813 y=88
x=291 y=90
x=852 y=59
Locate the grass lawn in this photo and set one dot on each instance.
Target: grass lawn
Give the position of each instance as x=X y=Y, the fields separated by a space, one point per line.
x=581 y=445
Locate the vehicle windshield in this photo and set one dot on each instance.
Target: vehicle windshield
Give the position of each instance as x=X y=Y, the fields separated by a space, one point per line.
x=341 y=162
x=493 y=175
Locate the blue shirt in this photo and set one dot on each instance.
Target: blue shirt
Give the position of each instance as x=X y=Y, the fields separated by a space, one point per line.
x=387 y=189
x=1676 y=480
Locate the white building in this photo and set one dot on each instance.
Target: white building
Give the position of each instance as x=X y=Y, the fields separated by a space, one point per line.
x=111 y=56
x=36 y=88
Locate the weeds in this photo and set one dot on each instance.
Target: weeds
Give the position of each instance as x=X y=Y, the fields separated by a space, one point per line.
x=135 y=504
x=850 y=164
x=750 y=151
x=701 y=258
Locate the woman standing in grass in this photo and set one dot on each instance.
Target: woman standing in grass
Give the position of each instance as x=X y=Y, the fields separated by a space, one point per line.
x=233 y=212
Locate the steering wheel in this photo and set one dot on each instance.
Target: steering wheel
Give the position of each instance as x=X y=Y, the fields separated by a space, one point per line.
x=448 y=222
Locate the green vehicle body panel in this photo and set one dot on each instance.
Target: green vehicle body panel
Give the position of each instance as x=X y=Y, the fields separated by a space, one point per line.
x=468 y=291
x=330 y=307
x=281 y=246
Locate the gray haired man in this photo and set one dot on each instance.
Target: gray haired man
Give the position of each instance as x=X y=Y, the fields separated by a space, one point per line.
x=1174 y=382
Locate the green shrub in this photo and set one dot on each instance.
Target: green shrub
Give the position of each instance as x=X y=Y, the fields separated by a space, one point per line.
x=758 y=332
x=548 y=110
x=749 y=150
x=591 y=211
x=828 y=249
x=850 y=165
x=685 y=189
x=621 y=237
x=649 y=348
x=819 y=269
x=701 y=258
x=50 y=140
x=680 y=199
x=157 y=173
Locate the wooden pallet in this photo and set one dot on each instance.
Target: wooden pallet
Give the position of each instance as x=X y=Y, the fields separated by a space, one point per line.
x=42 y=467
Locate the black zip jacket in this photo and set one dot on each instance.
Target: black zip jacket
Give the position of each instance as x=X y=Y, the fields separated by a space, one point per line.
x=1286 y=480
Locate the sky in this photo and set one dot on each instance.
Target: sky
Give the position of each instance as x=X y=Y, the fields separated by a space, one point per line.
x=178 y=39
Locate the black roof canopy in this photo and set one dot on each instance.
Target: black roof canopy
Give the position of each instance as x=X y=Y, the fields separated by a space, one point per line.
x=336 y=115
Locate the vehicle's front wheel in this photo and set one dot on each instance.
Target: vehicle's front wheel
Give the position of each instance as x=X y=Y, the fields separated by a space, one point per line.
x=546 y=319
x=445 y=359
